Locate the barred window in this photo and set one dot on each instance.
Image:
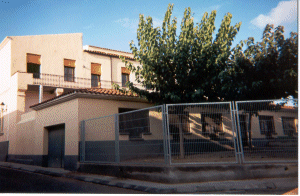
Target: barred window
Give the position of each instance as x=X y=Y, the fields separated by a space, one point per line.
x=289 y=125
x=134 y=123
x=266 y=124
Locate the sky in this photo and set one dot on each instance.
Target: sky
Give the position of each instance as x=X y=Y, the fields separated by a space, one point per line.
x=113 y=23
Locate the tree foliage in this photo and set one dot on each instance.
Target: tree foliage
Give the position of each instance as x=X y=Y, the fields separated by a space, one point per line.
x=185 y=67
x=199 y=65
x=264 y=70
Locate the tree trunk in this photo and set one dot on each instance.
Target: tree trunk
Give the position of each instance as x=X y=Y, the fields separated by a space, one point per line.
x=181 y=139
x=249 y=131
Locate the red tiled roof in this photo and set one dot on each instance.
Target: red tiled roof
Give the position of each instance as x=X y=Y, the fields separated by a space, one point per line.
x=107 y=54
x=95 y=91
x=110 y=49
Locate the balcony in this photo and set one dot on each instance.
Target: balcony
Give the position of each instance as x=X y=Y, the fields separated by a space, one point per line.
x=73 y=83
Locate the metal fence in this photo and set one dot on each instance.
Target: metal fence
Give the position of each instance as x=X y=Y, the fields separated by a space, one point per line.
x=268 y=130
x=198 y=133
x=201 y=133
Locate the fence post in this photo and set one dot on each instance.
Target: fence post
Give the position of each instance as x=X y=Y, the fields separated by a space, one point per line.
x=165 y=136
x=235 y=132
x=82 y=152
x=169 y=152
x=117 y=147
x=240 y=142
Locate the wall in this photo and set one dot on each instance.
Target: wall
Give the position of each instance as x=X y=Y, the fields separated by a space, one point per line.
x=5 y=62
x=52 y=48
x=277 y=122
x=94 y=108
x=103 y=60
x=32 y=98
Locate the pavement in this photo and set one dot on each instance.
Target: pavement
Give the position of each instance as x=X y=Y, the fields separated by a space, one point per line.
x=153 y=187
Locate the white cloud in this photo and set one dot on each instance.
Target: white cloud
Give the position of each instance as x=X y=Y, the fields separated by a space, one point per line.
x=285 y=12
x=128 y=23
x=133 y=23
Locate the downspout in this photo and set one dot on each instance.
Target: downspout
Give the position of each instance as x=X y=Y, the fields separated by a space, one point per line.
x=111 y=77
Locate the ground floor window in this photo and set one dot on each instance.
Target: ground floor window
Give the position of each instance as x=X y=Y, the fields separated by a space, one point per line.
x=134 y=123
x=266 y=124
x=289 y=125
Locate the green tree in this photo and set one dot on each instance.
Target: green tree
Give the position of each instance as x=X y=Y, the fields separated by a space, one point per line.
x=264 y=70
x=185 y=67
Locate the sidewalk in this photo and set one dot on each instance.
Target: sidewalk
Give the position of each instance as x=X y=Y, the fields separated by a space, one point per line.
x=152 y=187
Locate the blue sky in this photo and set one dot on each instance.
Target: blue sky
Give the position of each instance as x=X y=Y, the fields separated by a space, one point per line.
x=113 y=23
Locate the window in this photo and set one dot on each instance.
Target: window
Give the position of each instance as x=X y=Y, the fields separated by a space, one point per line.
x=69 y=70
x=96 y=79
x=34 y=64
x=211 y=123
x=266 y=124
x=69 y=74
x=289 y=126
x=125 y=76
x=96 y=74
x=134 y=124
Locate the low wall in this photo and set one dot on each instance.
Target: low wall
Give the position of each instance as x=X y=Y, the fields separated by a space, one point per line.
x=104 y=151
x=185 y=174
x=3 y=150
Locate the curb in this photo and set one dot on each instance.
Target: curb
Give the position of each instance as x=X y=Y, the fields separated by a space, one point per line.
x=153 y=187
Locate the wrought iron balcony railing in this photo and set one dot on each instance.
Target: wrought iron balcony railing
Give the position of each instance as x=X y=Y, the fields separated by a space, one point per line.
x=74 y=82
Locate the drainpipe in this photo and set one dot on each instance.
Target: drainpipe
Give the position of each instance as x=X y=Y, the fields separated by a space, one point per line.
x=40 y=93
x=111 y=77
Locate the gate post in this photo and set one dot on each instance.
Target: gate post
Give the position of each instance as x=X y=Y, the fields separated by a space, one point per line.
x=82 y=152
x=117 y=145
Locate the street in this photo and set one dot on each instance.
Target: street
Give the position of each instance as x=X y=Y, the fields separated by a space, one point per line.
x=16 y=181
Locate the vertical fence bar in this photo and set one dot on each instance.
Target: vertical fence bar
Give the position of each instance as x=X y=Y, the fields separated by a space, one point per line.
x=82 y=152
x=240 y=142
x=234 y=132
x=165 y=135
x=117 y=142
x=168 y=136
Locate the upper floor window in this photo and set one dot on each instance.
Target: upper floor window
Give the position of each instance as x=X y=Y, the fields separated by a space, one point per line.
x=96 y=80
x=34 y=64
x=96 y=75
x=125 y=76
x=266 y=124
x=69 y=70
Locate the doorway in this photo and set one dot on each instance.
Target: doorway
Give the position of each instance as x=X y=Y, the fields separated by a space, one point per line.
x=56 y=146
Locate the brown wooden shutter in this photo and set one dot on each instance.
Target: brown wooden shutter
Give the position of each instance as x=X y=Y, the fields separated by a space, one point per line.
x=96 y=68
x=34 y=58
x=69 y=63
x=125 y=70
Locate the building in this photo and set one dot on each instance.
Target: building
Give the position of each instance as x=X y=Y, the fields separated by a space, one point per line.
x=51 y=83
x=39 y=68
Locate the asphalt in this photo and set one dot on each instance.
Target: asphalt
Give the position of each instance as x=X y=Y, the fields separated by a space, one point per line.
x=153 y=187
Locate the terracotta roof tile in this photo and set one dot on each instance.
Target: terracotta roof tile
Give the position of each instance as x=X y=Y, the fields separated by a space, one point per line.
x=107 y=54
x=110 y=49
x=98 y=91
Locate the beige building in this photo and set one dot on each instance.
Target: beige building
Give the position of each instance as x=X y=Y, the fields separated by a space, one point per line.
x=39 y=68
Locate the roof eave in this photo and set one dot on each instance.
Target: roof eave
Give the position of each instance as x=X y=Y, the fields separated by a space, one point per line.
x=76 y=95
